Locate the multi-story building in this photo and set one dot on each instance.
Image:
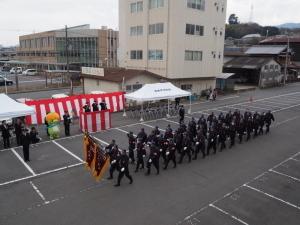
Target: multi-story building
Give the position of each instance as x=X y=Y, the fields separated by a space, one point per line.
x=181 y=40
x=86 y=47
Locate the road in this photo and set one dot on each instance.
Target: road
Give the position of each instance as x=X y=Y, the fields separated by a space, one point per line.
x=255 y=183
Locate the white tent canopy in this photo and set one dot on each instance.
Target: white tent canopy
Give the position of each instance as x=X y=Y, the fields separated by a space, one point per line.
x=12 y=109
x=158 y=91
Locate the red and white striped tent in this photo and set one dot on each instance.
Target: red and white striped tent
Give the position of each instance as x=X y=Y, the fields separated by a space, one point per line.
x=95 y=121
x=73 y=104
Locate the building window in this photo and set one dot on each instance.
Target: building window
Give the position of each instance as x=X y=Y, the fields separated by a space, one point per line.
x=136 y=7
x=136 y=86
x=187 y=87
x=276 y=67
x=157 y=28
x=136 y=31
x=155 y=55
x=193 y=55
x=192 y=29
x=271 y=67
x=156 y=4
x=266 y=67
x=136 y=54
x=196 y=4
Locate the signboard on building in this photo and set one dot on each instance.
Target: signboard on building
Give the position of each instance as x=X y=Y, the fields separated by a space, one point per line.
x=93 y=71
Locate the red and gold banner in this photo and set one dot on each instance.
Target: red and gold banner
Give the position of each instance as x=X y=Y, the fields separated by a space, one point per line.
x=94 y=156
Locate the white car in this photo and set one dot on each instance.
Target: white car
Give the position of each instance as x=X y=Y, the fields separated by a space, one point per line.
x=30 y=72
x=56 y=96
x=17 y=70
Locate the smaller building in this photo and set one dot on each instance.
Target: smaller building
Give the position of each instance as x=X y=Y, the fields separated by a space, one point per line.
x=119 y=79
x=260 y=71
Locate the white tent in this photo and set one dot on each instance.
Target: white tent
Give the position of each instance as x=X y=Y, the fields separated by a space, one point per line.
x=12 y=109
x=158 y=91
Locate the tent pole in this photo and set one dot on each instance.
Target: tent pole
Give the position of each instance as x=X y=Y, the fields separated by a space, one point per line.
x=190 y=109
x=142 y=113
x=124 y=112
x=168 y=115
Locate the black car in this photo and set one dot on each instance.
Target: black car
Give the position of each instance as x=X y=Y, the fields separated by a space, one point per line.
x=3 y=80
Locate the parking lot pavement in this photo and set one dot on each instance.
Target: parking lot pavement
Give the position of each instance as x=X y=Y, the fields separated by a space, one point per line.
x=58 y=184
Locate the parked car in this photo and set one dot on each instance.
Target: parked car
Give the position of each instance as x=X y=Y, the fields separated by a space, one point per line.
x=56 y=96
x=17 y=70
x=4 y=80
x=5 y=69
x=30 y=72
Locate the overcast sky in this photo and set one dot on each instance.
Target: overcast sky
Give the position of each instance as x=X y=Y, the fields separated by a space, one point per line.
x=18 y=17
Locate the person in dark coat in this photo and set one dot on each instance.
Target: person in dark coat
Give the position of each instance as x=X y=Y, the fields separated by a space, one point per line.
x=123 y=162
x=103 y=105
x=199 y=144
x=131 y=146
x=18 y=131
x=269 y=117
x=26 y=140
x=5 y=134
x=87 y=107
x=95 y=106
x=181 y=114
x=114 y=154
x=153 y=159
x=211 y=141
x=34 y=136
x=67 y=122
x=140 y=155
x=186 y=148
x=171 y=154
x=142 y=135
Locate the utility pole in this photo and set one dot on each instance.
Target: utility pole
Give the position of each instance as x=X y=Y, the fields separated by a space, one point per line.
x=286 y=59
x=67 y=59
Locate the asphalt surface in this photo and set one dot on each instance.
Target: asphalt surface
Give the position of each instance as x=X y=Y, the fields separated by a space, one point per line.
x=254 y=183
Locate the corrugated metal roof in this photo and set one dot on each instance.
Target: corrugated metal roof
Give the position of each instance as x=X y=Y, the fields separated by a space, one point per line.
x=247 y=62
x=266 y=50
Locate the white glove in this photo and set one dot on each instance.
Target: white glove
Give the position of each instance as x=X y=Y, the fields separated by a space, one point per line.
x=167 y=153
x=144 y=156
x=123 y=169
x=197 y=143
x=155 y=153
x=218 y=136
x=150 y=160
x=212 y=140
x=185 y=148
x=113 y=162
x=160 y=150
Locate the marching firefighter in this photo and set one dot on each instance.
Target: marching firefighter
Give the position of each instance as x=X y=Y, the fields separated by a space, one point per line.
x=269 y=117
x=153 y=159
x=131 y=147
x=186 y=148
x=140 y=155
x=171 y=154
x=122 y=166
x=199 y=144
x=212 y=141
x=114 y=154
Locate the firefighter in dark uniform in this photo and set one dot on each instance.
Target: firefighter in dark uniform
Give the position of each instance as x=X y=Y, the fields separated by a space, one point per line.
x=87 y=107
x=212 y=141
x=255 y=124
x=261 y=124
x=95 y=106
x=181 y=114
x=249 y=127
x=142 y=135
x=199 y=144
x=153 y=159
x=26 y=140
x=122 y=166
x=269 y=117
x=140 y=155
x=186 y=148
x=131 y=146
x=156 y=131
x=178 y=141
x=222 y=137
x=67 y=122
x=241 y=130
x=171 y=154
x=169 y=132
x=232 y=133
x=5 y=134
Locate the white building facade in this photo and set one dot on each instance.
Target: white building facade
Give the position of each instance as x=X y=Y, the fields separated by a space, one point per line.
x=182 y=40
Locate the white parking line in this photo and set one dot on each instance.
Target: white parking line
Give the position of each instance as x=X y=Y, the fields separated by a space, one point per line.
x=284 y=175
x=290 y=107
x=268 y=105
x=104 y=142
x=271 y=196
x=228 y=214
x=67 y=151
x=278 y=103
x=255 y=107
x=171 y=121
x=39 y=193
x=147 y=125
x=23 y=162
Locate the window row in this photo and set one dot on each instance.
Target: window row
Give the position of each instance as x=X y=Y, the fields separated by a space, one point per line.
x=136 y=7
x=136 y=31
x=196 y=4
x=192 y=29
x=193 y=55
x=271 y=67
